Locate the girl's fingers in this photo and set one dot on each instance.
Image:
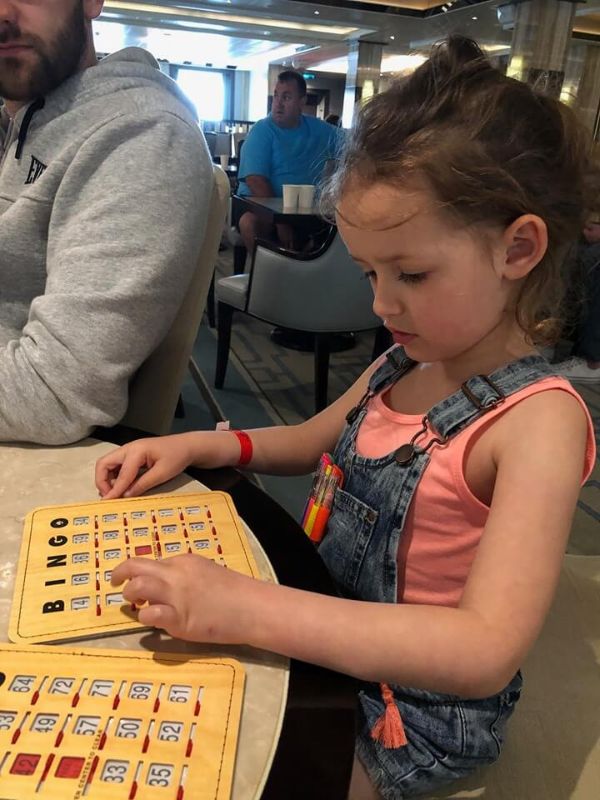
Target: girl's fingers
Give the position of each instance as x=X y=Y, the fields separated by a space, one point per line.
x=127 y=475
x=152 y=477
x=159 y=615
x=133 y=567
x=105 y=469
x=146 y=589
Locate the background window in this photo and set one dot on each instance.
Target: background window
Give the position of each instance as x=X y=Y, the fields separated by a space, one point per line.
x=206 y=90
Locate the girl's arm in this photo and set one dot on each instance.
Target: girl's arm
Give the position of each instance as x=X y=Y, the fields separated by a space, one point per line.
x=472 y=650
x=282 y=450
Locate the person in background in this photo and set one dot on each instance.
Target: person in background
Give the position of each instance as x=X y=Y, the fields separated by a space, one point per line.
x=105 y=181
x=462 y=454
x=285 y=147
x=584 y=367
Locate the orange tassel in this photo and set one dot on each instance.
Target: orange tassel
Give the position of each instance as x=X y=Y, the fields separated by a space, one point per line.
x=389 y=730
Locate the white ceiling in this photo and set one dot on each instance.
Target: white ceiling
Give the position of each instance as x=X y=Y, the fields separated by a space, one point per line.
x=249 y=34
x=245 y=33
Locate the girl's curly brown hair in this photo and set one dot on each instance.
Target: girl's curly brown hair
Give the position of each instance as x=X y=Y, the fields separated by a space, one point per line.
x=491 y=148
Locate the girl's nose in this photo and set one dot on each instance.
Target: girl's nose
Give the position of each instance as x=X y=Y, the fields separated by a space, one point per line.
x=385 y=304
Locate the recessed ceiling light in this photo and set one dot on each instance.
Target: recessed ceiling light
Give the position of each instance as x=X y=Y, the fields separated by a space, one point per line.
x=317 y=12
x=392 y=37
x=473 y=17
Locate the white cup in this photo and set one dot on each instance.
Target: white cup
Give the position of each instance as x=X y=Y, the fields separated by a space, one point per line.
x=291 y=193
x=306 y=196
x=224 y=161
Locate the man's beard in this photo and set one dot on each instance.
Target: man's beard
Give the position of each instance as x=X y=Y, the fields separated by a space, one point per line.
x=47 y=64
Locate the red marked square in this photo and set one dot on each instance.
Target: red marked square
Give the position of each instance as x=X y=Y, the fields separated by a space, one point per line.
x=143 y=549
x=25 y=764
x=69 y=767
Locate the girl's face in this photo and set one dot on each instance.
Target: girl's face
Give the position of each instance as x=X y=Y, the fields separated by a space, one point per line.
x=439 y=287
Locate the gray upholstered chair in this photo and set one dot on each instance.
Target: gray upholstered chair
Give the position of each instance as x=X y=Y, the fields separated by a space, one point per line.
x=154 y=389
x=322 y=292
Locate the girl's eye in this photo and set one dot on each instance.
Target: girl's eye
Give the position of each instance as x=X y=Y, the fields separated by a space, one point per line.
x=412 y=277
x=405 y=277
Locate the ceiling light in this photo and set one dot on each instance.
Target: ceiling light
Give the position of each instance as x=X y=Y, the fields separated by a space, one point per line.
x=494 y=48
x=232 y=19
x=399 y=63
x=390 y=63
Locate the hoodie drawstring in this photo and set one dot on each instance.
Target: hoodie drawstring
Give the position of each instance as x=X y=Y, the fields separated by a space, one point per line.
x=37 y=105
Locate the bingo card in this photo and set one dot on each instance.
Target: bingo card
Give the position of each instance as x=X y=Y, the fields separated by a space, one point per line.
x=71 y=726
x=63 y=590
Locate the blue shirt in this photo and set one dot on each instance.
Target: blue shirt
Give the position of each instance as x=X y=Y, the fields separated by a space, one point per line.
x=288 y=155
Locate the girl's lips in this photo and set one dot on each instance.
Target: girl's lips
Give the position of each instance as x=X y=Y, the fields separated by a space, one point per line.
x=400 y=337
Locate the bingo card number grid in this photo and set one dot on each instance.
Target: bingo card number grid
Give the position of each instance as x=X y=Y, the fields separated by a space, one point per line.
x=63 y=590
x=72 y=727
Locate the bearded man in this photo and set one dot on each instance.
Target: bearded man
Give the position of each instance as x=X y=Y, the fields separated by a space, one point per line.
x=105 y=181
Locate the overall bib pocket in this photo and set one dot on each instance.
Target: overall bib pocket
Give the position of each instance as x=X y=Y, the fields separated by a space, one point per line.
x=349 y=531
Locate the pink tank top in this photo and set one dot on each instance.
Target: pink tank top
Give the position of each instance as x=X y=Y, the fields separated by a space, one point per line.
x=434 y=543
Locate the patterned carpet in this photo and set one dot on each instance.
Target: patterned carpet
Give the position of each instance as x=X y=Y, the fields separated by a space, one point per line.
x=280 y=382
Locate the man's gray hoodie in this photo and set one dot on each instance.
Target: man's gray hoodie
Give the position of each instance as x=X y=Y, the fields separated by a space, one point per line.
x=104 y=192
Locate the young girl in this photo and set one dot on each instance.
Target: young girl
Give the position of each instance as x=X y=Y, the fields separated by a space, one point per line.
x=462 y=454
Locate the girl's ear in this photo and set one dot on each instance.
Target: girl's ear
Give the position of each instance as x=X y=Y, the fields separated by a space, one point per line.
x=525 y=241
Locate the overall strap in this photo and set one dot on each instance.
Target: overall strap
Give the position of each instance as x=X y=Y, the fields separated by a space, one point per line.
x=396 y=364
x=482 y=393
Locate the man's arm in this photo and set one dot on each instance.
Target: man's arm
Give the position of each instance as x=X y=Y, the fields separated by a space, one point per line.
x=123 y=241
x=259 y=186
x=256 y=160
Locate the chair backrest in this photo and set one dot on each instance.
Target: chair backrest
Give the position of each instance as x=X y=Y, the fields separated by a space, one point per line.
x=154 y=389
x=211 y=141
x=324 y=294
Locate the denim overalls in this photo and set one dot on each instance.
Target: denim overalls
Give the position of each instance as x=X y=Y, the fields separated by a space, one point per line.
x=448 y=737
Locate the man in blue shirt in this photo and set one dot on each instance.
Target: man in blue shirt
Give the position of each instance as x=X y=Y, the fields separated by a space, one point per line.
x=285 y=147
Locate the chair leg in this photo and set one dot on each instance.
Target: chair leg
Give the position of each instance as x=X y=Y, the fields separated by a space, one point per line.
x=383 y=341
x=210 y=302
x=239 y=259
x=224 y=319
x=321 y=370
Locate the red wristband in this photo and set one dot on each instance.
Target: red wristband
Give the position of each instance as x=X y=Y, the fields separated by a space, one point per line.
x=245 y=447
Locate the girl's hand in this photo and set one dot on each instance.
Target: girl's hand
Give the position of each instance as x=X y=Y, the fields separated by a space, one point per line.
x=159 y=459
x=191 y=597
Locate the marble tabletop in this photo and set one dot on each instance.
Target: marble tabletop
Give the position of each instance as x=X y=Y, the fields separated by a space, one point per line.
x=32 y=476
